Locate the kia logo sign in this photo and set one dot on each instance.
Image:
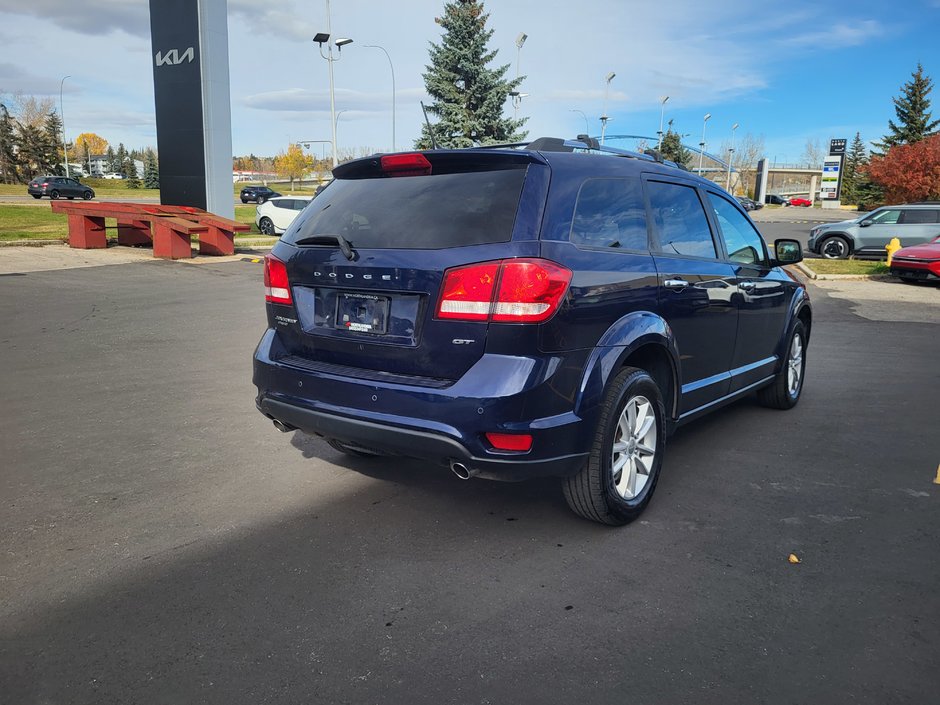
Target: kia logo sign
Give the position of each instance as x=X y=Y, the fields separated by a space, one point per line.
x=173 y=57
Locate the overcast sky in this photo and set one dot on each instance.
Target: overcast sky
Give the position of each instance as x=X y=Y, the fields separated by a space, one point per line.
x=789 y=71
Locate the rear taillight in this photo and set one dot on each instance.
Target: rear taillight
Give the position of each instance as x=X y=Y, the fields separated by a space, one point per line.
x=505 y=291
x=45 y=184
x=276 y=285
x=411 y=164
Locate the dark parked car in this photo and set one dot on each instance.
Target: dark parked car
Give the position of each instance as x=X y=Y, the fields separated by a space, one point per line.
x=774 y=199
x=56 y=187
x=258 y=194
x=749 y=204
x=538 y=311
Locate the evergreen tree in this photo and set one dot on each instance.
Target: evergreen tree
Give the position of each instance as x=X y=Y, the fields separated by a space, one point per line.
x=120 y=159
x=151 y=171
x=7 y=142
x=32 y=150
x=112 y=160
x=468 y=98
x=672 y=148
x=853 y=174
x=913 y=110
x=130 y=173
x=52 y=158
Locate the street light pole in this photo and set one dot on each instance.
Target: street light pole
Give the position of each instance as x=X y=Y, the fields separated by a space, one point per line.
x=662 y=113
x=517 y=99
x=604 y=118
x=730 y=158
x=376 y=46
x=65 y=148
x=587 y=126
x=321 y=38
x=701 y=154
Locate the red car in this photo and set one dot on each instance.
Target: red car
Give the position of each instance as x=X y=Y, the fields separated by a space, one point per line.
x=918 y=263
x=805 y=202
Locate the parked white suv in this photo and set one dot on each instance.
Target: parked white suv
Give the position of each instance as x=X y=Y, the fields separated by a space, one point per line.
x=275 y=216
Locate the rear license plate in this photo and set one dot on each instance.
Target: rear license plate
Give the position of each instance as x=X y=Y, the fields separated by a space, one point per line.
x=362 y=313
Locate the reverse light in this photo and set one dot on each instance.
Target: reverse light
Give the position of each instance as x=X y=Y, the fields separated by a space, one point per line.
x=504 y=291
x=510 y=441
x=411 y=164
x=276 y=285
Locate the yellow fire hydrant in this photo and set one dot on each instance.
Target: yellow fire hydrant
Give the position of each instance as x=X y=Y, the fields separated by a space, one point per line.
x=891 y=248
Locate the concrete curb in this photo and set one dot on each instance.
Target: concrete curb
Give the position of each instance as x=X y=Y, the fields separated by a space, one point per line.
x=30 y=243
x=805 y=269
x=856 y=277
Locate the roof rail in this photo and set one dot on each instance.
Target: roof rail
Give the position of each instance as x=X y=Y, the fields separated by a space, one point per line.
x=586 y=143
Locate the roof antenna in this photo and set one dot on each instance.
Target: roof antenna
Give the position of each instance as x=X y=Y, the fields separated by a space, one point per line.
x=430 y=131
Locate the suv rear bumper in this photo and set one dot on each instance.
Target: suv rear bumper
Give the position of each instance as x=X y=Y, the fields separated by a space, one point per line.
x=439 y=425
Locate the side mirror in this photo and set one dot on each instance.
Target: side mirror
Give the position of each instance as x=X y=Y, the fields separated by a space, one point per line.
x=865 y=223
x=788 y=251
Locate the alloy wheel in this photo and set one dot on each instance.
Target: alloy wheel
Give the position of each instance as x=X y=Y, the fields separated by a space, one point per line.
x=634 y=448
x=795 y=366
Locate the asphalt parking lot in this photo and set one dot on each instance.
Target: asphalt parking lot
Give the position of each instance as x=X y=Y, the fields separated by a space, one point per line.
x=161 y=542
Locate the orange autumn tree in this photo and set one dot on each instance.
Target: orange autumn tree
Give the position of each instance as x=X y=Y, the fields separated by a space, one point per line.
x=909 y=172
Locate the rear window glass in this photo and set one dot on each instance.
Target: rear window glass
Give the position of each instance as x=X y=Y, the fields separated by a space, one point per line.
x=416 y=212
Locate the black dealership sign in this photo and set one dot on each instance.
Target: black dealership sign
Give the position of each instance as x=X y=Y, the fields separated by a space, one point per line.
x=177 y=85
x=837 y=146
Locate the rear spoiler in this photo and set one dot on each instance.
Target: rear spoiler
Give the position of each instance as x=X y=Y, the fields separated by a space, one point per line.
x=447 y=161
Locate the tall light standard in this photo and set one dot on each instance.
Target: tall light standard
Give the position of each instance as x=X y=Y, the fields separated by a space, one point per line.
x=701 y=154
x=730 y=158
x=587 y=127
x=322 y=38
x=604 y=118
x=517 y=98
x=65 y=148
x=662 y=113
x=376 y=46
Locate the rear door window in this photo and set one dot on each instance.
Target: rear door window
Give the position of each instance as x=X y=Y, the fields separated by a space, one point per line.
x=416 y=212
x=610 y=213
x=917 y=216
x=680 y=220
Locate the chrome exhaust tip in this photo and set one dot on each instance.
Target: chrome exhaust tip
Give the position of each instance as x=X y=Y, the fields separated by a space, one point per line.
x=282 y=427
x=461 y=470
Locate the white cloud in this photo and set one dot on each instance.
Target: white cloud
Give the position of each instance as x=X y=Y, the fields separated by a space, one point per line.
x=94 y=17
x=839 y=35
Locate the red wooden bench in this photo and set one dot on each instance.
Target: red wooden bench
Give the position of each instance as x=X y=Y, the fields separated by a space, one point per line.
x=167 y=228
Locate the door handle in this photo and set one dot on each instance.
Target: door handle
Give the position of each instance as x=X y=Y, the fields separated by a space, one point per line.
x=676 y=284
x=746 y=285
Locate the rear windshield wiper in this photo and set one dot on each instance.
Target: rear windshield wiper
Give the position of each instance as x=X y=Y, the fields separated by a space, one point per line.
x=328 y=238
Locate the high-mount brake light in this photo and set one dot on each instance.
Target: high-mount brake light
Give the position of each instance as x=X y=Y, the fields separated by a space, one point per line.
x=276 y=285
x=504 y=291
x=410 y=164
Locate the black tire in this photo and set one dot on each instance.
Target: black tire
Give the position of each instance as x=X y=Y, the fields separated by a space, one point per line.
x=244 y=200
x=779 y=395
x=349 y=450
x=88 y=195
x=261 y=199
x=54 y=195
x=266 y=226
x=834 y=247
x=37 y=197
x=592 y=493
x=71 y=198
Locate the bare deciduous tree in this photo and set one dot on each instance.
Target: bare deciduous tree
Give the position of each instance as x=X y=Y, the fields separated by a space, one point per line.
x=748 y=149
x=813 y=154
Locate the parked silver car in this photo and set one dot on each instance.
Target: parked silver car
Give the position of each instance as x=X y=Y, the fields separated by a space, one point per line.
x=911 y=223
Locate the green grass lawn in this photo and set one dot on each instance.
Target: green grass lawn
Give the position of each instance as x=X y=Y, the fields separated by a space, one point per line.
x=31 y=223
x=26 y=222
x=847 y=266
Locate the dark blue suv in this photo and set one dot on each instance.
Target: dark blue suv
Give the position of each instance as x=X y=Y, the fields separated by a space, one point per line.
x=526 y=311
